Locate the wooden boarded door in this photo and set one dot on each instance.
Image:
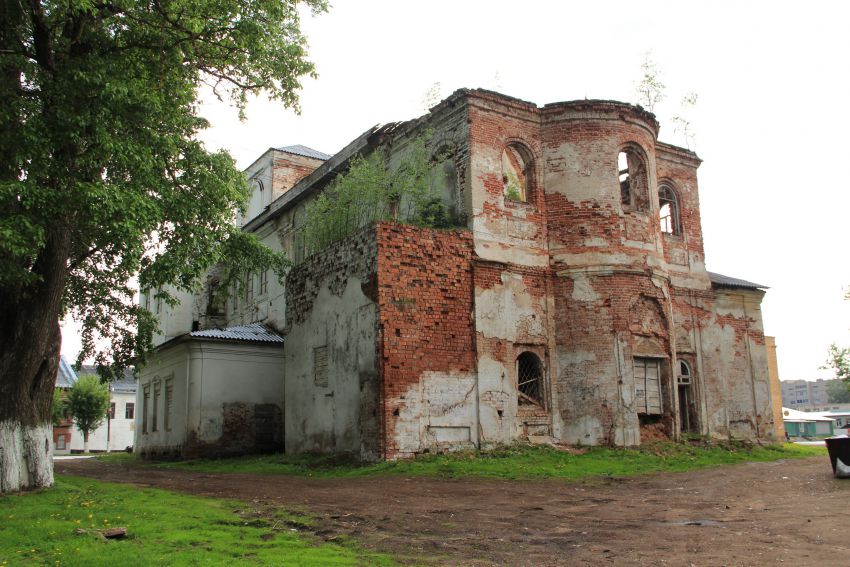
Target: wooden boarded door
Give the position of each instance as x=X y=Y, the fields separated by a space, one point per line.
x=648 y=386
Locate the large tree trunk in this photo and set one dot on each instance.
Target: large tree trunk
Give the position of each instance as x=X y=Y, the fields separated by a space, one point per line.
x=29 y=358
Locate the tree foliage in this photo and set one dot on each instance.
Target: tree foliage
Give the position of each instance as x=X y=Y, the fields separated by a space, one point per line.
x=88 y=401
x=838 y=391
x=58 y=407
x=839 y=360
x=374 y=189
x=102 y=177
x=649 y=89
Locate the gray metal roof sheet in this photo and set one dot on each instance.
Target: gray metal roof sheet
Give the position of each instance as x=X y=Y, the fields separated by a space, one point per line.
x=728 y=281
x=65 y=376
x=126 y=384
x=300 y=150
x=256 y=332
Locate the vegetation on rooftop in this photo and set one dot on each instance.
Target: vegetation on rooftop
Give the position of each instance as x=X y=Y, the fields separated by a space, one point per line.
x=372 y=189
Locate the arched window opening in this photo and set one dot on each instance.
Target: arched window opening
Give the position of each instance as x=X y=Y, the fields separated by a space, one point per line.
x=687 y=404
x=516 y=172
x=684 y=372
x=631 y=171
x=530 y=378
x=668 y=211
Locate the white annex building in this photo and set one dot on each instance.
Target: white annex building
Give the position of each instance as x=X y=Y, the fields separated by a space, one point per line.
x=117 y=432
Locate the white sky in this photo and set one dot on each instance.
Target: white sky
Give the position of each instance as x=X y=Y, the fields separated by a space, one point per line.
x=769 y=75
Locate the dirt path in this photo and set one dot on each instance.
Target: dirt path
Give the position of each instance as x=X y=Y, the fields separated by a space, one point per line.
x=786 y=512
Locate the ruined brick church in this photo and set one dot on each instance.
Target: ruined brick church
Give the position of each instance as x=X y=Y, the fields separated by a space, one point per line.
x=571 y=303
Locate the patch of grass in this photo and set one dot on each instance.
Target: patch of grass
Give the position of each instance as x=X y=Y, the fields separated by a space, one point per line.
x=514 y=462
x=163 y=528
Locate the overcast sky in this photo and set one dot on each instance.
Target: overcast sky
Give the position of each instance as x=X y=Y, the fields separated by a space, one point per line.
x=769 y=125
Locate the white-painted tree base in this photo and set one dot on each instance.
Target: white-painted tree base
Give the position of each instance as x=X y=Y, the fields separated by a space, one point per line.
x=26 y=456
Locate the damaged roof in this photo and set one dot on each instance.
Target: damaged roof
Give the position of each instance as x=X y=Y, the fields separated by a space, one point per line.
x=300 y=150
x=254 y=332
x=727 y=281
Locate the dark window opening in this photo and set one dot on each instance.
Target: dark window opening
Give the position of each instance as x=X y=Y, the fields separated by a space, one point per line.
x=130 y=410
x=687 y=402
x=530 y=378
x=668 y=211
x=631 y=170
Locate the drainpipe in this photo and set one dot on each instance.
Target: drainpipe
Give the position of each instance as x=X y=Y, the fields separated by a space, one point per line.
x=475 y=354
x=188 y=388
x=109 y=419
x=699 y=379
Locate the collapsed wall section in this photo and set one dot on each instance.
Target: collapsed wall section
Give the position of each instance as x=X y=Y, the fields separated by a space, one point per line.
x=332 y=384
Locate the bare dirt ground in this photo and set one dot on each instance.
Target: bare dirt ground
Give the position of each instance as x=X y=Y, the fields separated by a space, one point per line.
x=786 y=512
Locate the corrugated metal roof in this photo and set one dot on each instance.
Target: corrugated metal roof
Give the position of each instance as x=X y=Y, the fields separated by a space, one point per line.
x=65 y=377
x=254 y=332
x=789 y=414
x=727 y=281
x=300 y=150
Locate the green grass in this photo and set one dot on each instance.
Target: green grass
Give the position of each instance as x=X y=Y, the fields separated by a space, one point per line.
x=164 y=528
x=515 y=462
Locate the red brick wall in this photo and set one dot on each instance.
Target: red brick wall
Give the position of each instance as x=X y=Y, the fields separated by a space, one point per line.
x=289 y=169
x=425 y=307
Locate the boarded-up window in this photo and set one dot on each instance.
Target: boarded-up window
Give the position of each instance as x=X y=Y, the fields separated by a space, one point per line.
x=264 y=282
x=146 y=402
x=320 y=366
x=648 y=386
x=157 y=387
x=249 y=287
x=169 y=403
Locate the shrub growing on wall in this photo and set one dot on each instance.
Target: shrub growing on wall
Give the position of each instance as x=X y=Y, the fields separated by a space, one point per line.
x=374 y=189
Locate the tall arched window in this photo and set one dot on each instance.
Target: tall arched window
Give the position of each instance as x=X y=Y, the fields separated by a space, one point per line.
x=684 y=372
x=530 y=378
x=516 y=172
x=631 y=171
x=668 y=210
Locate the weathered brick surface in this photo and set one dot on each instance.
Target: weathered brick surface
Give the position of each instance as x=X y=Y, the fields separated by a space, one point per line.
x=425 y=325
x=574 y=275
x=352 y=256
x=289 y=169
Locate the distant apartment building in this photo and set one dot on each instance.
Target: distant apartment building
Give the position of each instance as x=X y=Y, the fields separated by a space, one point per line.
x=805 y=394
